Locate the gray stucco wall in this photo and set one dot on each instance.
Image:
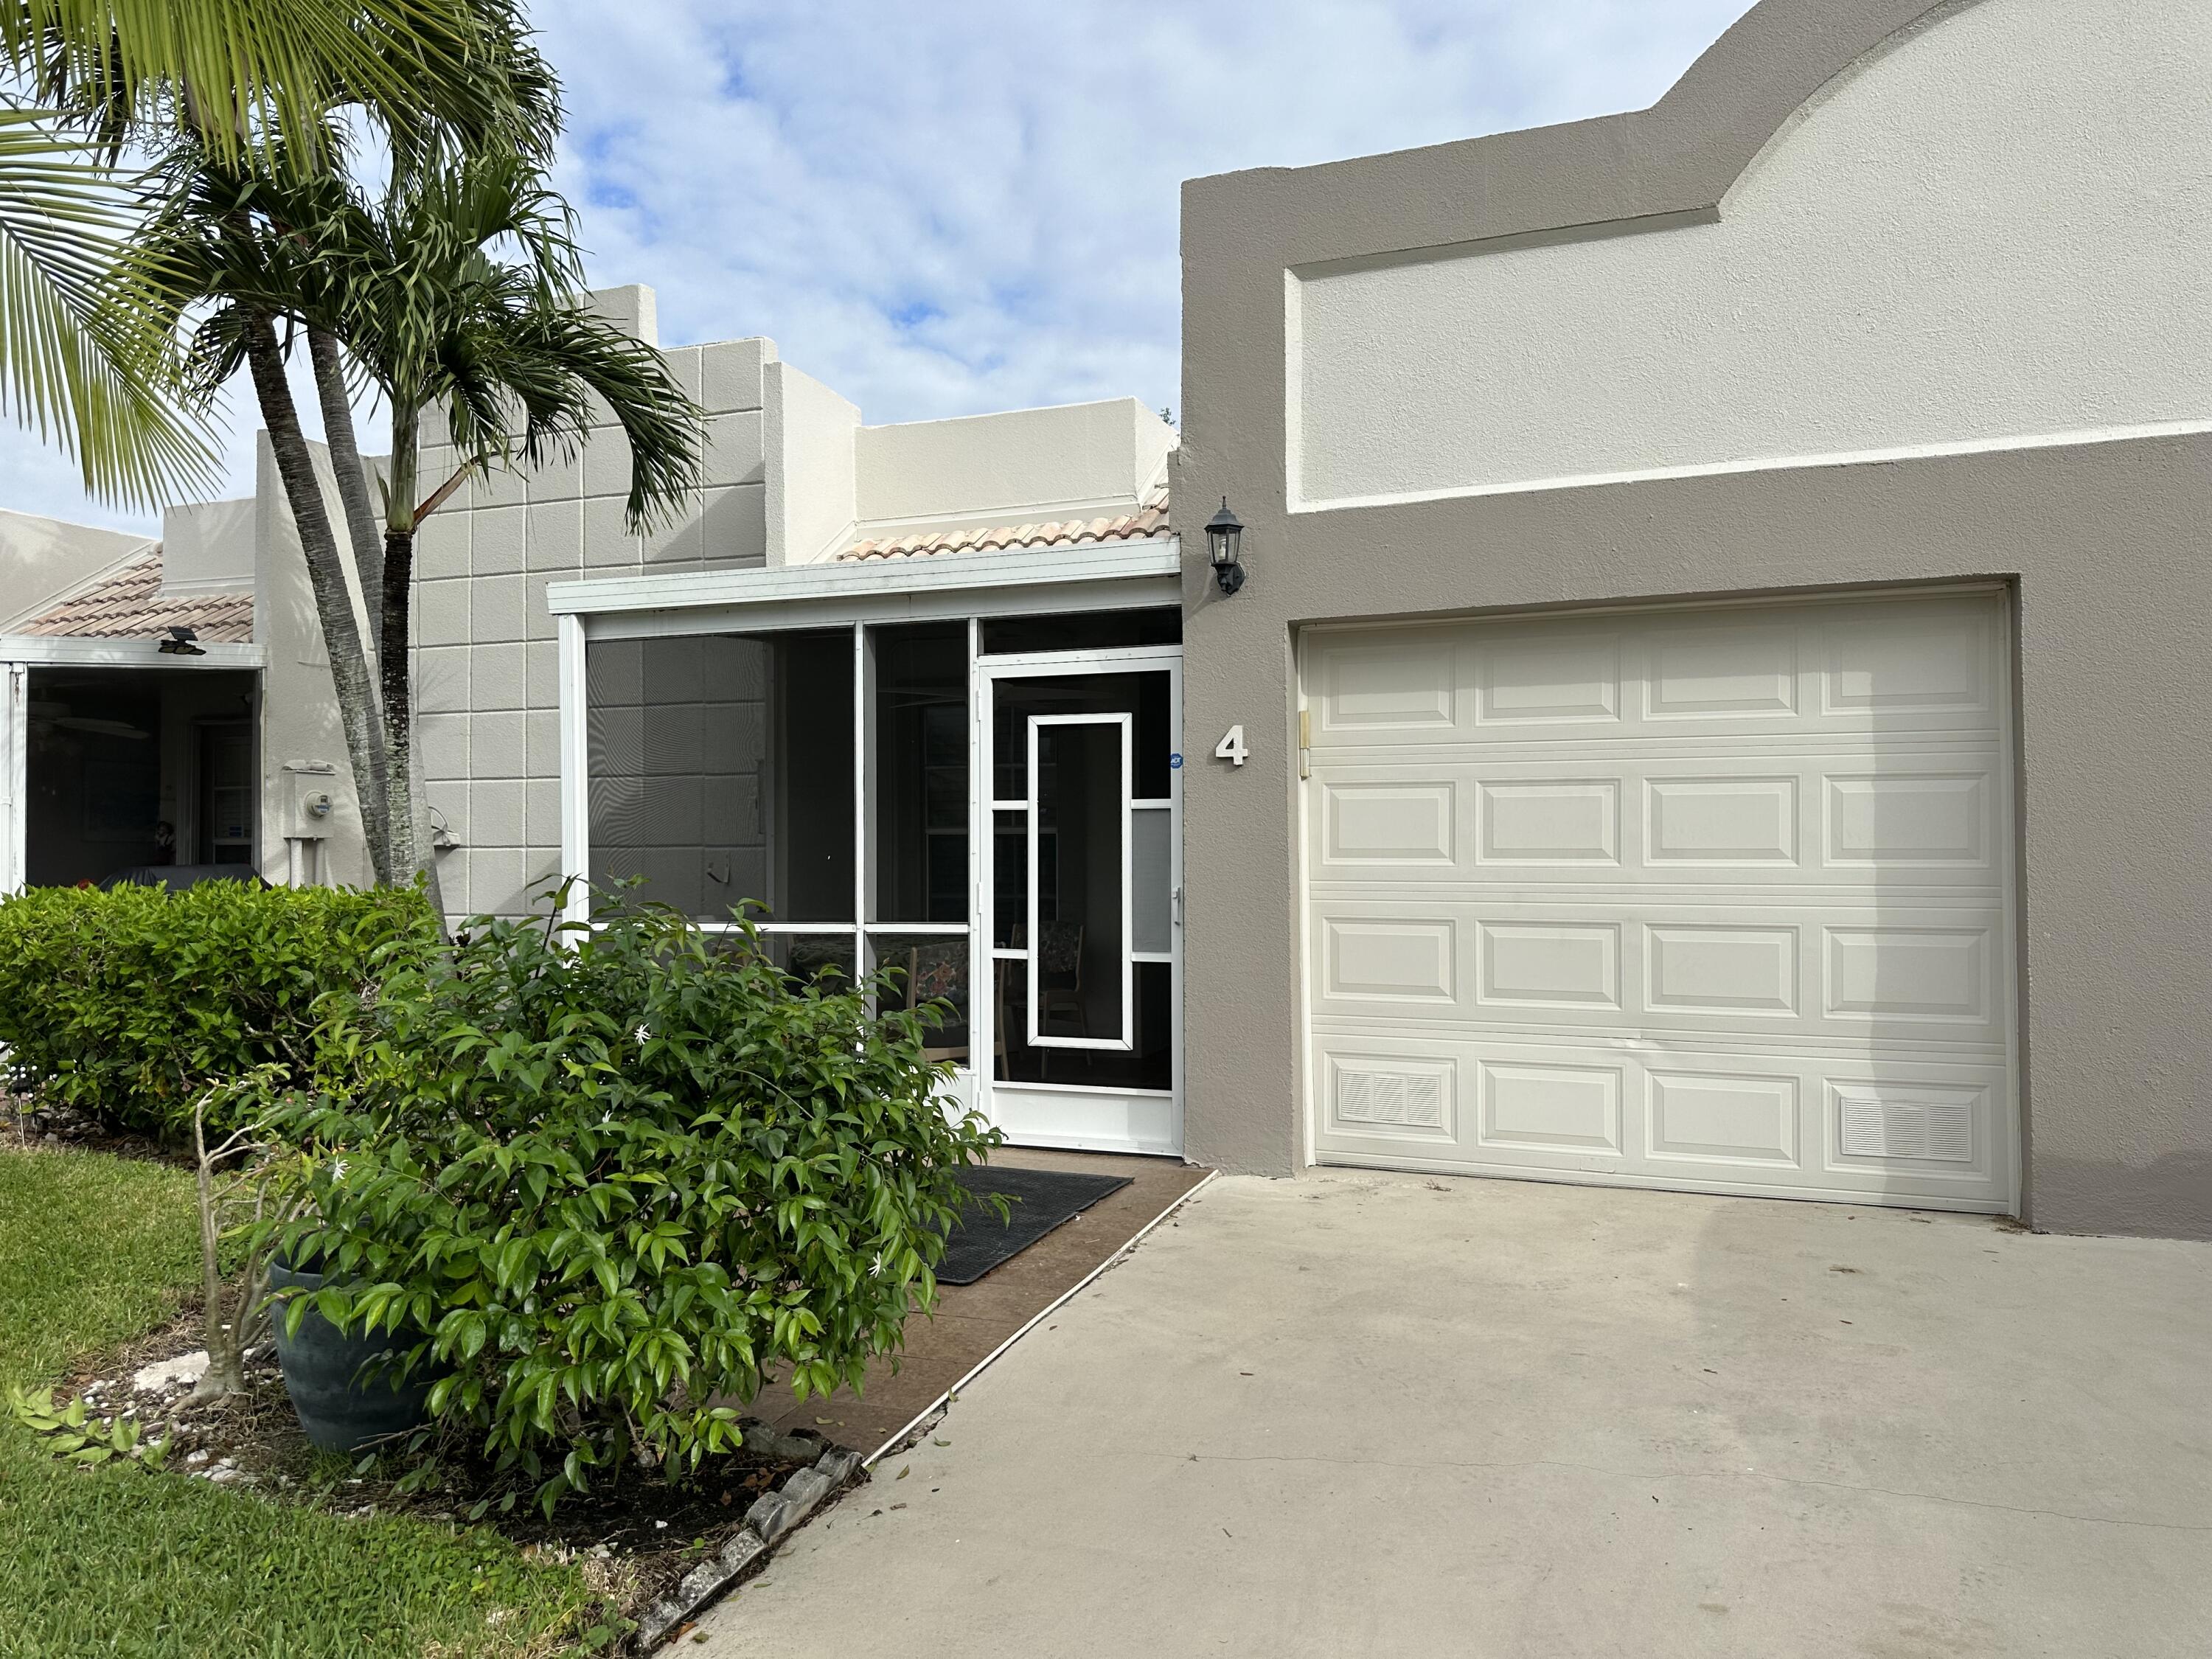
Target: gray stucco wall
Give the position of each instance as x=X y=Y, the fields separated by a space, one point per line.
x=2104 y=542
x=486 y=660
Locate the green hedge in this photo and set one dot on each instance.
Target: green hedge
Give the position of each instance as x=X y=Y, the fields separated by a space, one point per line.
x=126 y=1003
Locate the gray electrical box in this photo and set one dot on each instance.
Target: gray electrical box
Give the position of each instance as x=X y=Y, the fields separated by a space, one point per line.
x=312 y=786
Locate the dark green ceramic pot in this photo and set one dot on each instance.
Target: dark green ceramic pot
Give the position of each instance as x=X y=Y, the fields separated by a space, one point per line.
x=342 y=1407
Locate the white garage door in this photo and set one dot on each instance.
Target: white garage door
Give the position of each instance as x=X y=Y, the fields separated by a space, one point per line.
x=1713 y=898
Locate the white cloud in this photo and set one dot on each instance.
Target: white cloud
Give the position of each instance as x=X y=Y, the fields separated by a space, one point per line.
x=940 y=209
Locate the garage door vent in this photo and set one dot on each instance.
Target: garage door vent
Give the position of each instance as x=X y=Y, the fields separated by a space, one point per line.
x=1876 y=1128
x=1407 y=1099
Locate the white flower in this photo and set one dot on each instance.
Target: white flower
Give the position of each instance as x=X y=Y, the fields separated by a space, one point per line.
x=641 y=1033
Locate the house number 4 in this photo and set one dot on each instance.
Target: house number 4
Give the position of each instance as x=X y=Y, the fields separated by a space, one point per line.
x=1231 y=746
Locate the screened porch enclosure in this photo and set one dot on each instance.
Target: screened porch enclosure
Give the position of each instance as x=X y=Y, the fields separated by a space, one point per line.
x=724 y=783
x=997 y=827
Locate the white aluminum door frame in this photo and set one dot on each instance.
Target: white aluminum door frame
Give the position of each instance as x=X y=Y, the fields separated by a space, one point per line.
x=14 y=768
x=1095 y=1119
x=1125 y=724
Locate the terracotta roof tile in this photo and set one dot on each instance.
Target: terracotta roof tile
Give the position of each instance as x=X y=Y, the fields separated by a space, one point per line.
x=128 y=605
x=1147 y=522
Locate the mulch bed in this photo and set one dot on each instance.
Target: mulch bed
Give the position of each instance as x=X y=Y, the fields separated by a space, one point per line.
x=24 y=1125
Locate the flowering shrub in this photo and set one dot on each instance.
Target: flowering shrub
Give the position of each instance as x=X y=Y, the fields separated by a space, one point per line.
x=614 y=1178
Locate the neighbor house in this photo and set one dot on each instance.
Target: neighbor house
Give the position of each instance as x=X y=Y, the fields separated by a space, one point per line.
x=166 y=703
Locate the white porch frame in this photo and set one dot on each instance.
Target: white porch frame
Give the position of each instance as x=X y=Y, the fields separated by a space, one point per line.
x=861 y=595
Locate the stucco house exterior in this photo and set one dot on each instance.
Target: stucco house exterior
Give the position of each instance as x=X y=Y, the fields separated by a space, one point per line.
x=1708 y=706
x=1702 y=710
x=909 y=688
x=1728 y=587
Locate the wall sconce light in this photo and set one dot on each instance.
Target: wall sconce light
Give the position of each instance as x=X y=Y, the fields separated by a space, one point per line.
x=180 y=644
x=1224 y=534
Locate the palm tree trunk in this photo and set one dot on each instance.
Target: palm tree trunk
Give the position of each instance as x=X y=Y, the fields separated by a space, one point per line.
x=395 y=665
x=353 y=494
x=398 y=694
x=345 y=461
x=409 y=857
x=350 y=676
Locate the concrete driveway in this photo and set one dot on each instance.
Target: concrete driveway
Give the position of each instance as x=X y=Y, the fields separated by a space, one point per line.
x=1364 y=1414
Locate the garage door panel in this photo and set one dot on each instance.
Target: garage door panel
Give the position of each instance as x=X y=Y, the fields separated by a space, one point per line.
x=1941 y=1130
x=1903 y=1129
x=1918 y=974
x=1389 y=688
x=1746 y=1119
x=1722 y=823
x=1850 y=822
x=1548 y=678
x=1727 y=969
x=1891 y=668
x=1722 y=673
x=1366 y=958
x=1908 y=665
x=1531 y=1107
x=1717 y=899
x=1377 y=1096
x=1405 y=823
x=1906 y=819
x=1546 y=821
x=1851 y=973
x=1569 y=966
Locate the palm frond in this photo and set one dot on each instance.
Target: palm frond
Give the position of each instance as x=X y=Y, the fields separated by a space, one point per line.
x=556 y=358
x=240 y=72
x=83 y=361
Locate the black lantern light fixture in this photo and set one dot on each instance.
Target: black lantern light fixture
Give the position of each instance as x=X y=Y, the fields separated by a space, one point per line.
x=1224 y=534
x=180 y=644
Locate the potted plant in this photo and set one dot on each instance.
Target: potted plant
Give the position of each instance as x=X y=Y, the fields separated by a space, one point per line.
x=349 y=1389
x=599 y=1183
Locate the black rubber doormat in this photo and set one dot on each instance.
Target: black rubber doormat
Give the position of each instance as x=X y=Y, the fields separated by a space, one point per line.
x=1037 y=1200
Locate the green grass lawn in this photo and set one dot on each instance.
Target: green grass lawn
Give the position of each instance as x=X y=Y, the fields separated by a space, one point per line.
x=94 y=1250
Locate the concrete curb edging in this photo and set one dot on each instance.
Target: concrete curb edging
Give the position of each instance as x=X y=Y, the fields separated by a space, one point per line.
x=772 y=1517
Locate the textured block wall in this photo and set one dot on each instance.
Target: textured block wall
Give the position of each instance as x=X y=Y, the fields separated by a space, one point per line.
x=486 y=665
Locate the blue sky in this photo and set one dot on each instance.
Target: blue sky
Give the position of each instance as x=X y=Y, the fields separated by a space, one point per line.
x=943 y=209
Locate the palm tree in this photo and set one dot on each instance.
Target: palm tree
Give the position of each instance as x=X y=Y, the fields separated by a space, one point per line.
x=505 y=351
x=226 y=255
x=81 y=362
x=457 y=291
